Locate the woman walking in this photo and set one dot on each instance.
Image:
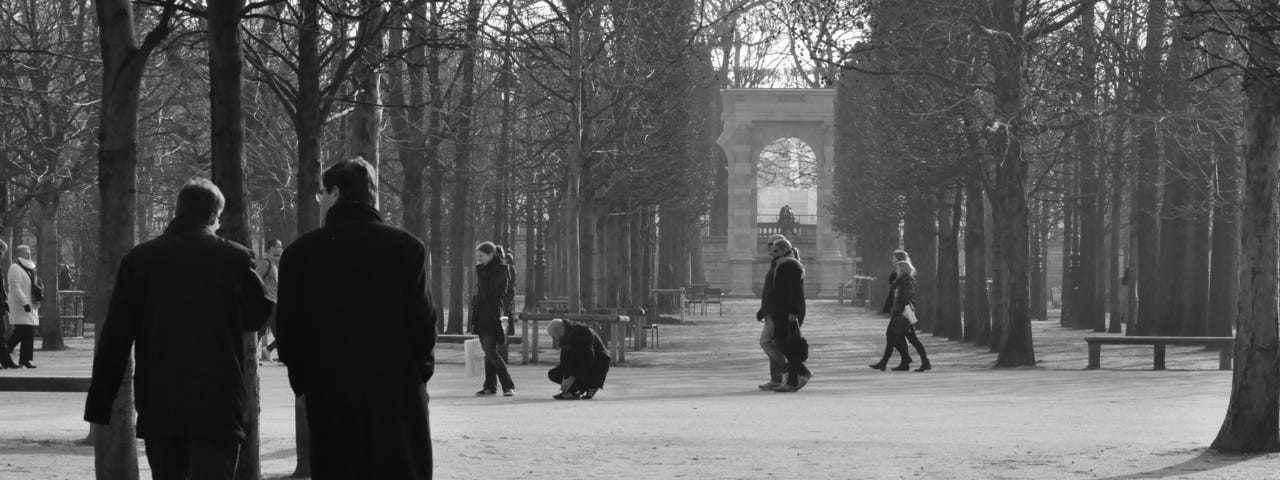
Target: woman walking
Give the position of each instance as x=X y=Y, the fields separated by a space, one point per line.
x=486 y=319
x=901 y=328
x=509 y=299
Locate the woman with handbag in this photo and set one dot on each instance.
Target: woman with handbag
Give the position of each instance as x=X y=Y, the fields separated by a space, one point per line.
x=787 y=314
x=902 y=322
x=486 y=318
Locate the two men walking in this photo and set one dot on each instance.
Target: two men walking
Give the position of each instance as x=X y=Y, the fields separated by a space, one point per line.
x=782 y=308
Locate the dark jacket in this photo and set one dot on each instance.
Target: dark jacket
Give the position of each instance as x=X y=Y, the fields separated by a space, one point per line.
x=888 y=299
x=491 y=293
x=906 y=295
x=766 y=292
x=509 y=300
x=580 y=353
x=357 y=330
x=788 y=295
x=186 y=300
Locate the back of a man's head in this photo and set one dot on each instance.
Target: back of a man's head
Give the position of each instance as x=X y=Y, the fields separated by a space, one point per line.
x=201 y=199
x=354 y=178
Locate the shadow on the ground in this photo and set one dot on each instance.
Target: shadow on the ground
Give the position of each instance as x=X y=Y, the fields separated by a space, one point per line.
x=43 y=447
x=1206 y=461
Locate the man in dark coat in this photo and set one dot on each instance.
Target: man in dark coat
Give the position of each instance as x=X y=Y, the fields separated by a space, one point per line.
x=777 y=362
x=786 y=312
x=186 y=299
x=357 y=289
x=584 y=362
x=6 y=360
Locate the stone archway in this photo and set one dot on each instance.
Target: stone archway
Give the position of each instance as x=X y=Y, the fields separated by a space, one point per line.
x=752 y=119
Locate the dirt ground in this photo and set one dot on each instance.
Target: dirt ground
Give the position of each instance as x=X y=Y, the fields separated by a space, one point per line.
x=691 y=410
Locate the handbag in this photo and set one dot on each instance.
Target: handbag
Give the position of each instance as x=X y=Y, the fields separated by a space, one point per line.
x=909 y=312
x=795 y=347
x=37 y=291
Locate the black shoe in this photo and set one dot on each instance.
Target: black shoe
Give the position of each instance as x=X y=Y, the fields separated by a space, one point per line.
x=27 y=365
x=924 y=367
x=486 y=393
x=590 y=393
x=567 y=396
x=508 y=392
x=902 y=367
x=878 y=366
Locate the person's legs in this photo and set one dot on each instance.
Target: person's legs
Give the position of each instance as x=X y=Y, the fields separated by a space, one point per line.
x=6 y=360
x=915 y=342
x=495 y=367
x=556 y=375
x=27 y=335
x=167 y=457
x=212 y=459
x=777 y=362
x=271 y=326
x=900 y=343
x=889 y=341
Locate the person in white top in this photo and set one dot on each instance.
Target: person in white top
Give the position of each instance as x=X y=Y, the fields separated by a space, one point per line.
x=25 y=294
x=268 y=269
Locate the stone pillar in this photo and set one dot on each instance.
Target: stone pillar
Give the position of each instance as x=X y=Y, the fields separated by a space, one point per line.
x=830 y=255
x=742 y=216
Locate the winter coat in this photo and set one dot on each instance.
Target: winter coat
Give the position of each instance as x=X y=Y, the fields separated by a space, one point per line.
x=903 y=294
x=509 y=300
x=788 y=296
x=183 y=303
x=491 y=292
x=888 y=298
x=581 y=351
x=356 y=328
x=23 y=310
x=766 y=292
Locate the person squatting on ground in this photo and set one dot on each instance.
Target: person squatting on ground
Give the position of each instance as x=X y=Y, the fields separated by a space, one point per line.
x=6 y=360
x=786 y=311
x=353 y=277
x=186 y=299
x=777 y=363
x=268 y=269
x=584 y=362
x=487 y=308
x=26 y=292
x=900 y=329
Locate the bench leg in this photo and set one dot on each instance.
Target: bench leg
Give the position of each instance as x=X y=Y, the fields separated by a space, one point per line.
x=524 y=343
x=1159 y=354
x=1095 y=356
x=1224 y=358
x=535 y=342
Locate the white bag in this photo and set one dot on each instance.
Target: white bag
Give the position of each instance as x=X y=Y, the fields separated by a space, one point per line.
x=909 y=313
x=473 y=357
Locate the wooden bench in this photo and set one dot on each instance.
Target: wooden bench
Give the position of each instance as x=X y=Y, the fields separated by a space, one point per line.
x=44 y=384
x=1225 y=345
x=454 y=338
x=616 y=343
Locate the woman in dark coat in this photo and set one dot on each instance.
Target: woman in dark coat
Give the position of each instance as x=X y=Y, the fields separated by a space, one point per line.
x=486 y=319
x=787 y=313
x=900 y=329
x=509 y=300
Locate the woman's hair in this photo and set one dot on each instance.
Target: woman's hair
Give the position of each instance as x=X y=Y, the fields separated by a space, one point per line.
x=901 y=255
x=487 y=248
x=511 y=258
x=911 y=269
x=795 y=253
x=499 y=253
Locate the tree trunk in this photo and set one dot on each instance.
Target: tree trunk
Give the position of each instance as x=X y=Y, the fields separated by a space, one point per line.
x=435 y=211
x=462 y=172
x=48 y=258
x=408 y=126
x=366 y=119
x=977 y=316
x=227 y=165
x=1117 y=290
x=1146 y=228
x=999 y=277
x=1069 y=235
x=920 y=238
x=123 y=63
x=1090 y=311
x=1252 y=423
x=1224 y=272
x=949 y=321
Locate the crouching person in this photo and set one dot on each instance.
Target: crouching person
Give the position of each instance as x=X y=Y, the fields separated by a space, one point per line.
x=584 y=362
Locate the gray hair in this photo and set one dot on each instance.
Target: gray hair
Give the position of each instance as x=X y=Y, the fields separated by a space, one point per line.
x=22 y=249
x=911 y=269
x=555 y=329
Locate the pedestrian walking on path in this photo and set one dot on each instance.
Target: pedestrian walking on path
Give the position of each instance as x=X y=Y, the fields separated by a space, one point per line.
x=6 y=360
x=26 y=292
x=486 y=317
x=786 y=313
x=777 y=362
x=901 y=329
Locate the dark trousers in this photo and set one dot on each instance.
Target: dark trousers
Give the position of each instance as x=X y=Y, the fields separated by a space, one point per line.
x=898 y=341
x=192 y=459
x=599 y=371
x=910 y=336
x=495 y=368
x=270 y=326
x=26 y=336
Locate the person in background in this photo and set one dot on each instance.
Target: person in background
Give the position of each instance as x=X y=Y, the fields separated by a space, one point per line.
x=339 y=284
x=510 y=299
x=491 y=291
x=900 y=330
x=777 y=362
x=584 y=362
x=6 y=360
x=268 y=269
x=26 y=292
x=181 y=305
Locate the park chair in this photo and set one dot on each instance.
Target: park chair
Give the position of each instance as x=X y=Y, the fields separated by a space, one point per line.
x=713 y=295
x=695 y=294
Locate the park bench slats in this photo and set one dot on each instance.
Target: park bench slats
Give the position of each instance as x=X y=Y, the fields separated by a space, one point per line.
x=44 y=384
x=454 y=338
x=617 y=336
x=1159 y=343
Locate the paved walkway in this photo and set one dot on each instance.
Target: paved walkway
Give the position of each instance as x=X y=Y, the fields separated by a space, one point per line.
x=690 y=410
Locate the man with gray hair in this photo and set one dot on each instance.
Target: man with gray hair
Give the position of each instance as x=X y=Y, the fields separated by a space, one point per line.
x=6 y=360
x=777 y=361
x=584 y=362
x=25 y=294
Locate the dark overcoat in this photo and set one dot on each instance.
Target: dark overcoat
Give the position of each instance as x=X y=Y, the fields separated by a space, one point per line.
x=583 y=356
x=357 y=330
x=766 y=292
x=491 y=294
x=788 y=296
x=888 y=298
x=903 y=294
x=185 y=300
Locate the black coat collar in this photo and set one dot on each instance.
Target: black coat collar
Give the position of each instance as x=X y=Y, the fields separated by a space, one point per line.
x=188 y=224
x=352 y=212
